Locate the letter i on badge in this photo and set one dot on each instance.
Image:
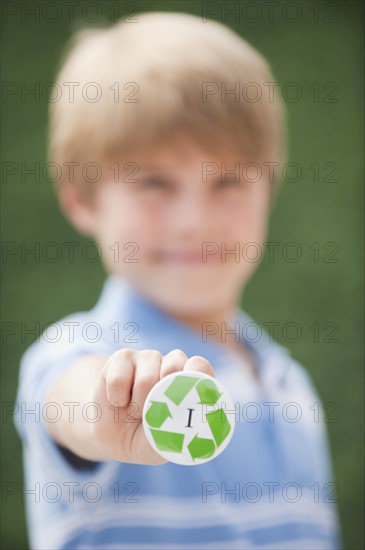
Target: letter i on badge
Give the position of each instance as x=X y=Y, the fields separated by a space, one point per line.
x=184 y=418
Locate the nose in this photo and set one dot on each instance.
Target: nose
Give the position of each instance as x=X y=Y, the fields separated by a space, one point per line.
x=191 y=215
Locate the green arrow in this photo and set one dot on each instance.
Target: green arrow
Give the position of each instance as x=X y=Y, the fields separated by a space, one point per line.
x=179 y=388
x=199 y=447
x=168 y=441
x=219 y=425
x=208 y=392
x=157 y=414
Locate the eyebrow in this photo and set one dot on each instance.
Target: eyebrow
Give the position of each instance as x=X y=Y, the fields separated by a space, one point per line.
x=152 y=167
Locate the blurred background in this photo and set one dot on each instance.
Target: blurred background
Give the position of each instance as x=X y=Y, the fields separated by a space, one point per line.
x=316 y=44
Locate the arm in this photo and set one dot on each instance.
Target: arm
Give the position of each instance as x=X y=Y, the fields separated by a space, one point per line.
x=76 y=386
x=118 y=385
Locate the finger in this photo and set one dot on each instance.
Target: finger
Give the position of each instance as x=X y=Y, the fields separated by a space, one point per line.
x=119 y=374
x=144 y=450
x=173 y=361
x=146 y=376
x=198 y=363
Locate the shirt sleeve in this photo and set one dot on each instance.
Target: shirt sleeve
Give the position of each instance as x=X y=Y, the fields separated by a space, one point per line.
x=41 y=364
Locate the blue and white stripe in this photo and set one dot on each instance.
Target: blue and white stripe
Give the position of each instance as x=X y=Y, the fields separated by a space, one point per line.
x=170 y=512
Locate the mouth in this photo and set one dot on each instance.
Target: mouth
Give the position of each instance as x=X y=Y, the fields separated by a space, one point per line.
x=185 y=258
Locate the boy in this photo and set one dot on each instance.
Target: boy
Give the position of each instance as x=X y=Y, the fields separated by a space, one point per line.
x=171 y=154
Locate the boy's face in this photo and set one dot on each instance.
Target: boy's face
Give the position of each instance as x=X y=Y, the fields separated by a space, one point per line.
x=169 y=223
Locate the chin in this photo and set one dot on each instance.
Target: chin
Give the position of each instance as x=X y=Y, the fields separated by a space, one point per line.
x=201 y=305
x=186 y=296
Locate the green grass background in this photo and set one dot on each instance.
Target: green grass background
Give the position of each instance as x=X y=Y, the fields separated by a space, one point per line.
x=306 y=212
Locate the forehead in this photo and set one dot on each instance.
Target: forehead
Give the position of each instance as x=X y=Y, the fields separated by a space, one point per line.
x=185 y=154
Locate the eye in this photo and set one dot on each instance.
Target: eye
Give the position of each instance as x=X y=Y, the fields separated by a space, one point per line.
x=228 y=183
x=155 y=183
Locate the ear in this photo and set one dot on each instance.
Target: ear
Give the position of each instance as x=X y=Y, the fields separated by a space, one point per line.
x=77 y=209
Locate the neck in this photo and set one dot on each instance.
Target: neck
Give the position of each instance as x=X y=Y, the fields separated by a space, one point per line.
x=212 y=326
x=219 y=327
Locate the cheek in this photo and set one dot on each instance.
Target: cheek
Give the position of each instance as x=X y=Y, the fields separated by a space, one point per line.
x=244 y=219
x=125 y=220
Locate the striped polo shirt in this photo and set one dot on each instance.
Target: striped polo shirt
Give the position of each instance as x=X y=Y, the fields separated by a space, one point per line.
x=270 y=488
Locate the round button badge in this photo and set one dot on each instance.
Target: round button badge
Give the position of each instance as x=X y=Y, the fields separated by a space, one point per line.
x=184 y=418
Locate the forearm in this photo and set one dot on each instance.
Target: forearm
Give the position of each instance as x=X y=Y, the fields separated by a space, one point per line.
x=113 y=384
x=72 y=392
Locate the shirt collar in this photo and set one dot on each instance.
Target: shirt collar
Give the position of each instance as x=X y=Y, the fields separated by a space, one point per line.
x=157 y=329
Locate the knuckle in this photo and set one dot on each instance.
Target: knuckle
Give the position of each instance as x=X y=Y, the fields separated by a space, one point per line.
x=177 y=352
x=116 y=381
x=126 y=352
x=152 y=354
x=146 y=381
x=120 y=354
x=167 y=369
x=201 y=362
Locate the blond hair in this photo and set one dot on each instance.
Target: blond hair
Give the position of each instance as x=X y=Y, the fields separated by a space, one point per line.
x=134 y=85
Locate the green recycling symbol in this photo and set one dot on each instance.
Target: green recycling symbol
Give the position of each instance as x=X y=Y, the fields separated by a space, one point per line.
x=176 y=420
